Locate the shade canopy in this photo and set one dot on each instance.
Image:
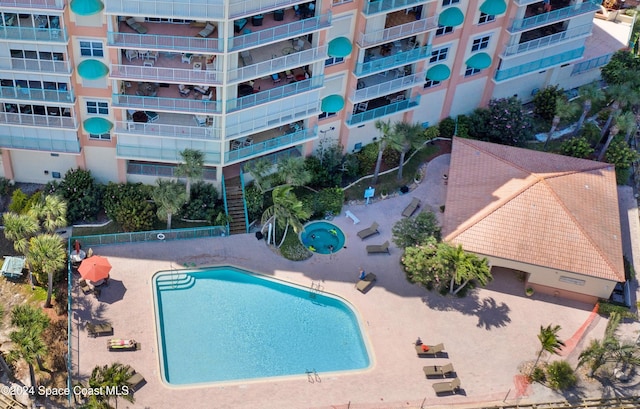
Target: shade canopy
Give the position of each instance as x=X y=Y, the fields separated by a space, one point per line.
x=339 y=47
x=438 y=72
x=332 y=103
x=451 y=17
x=97 y=125
x=493 y=7
x=92 y=69
x=479 y=61
x=86 y=7
x=94 y=268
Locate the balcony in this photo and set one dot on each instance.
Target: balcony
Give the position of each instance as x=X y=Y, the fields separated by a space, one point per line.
x=380 y=85
x=384 y=6
x=164 y=37
x=40 y=121
x=35 y=4
x=539 y=64
x=389 y=109
x=173 y=126
x=168 y=153
x=397 y=32
x=376 y=62
x=23 y=64
x=269 y=145
x=39 y=144
x=246 y=8
x=36 y=94
x=522 y=3
x=194 y=75
x=553 y=16
x=168 y=99
x=272 y=63
x=54 y=35
x=179 y=9
x=275 y=94
x=538 y=43
x=290 y=27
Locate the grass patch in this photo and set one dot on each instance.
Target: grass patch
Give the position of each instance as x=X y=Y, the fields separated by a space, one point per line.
x=113 y=227
x=293 y=250
x=606 y=308
x=389 y=182
x=39 y=294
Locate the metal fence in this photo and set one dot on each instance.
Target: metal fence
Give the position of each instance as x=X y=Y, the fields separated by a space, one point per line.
x=154 y=235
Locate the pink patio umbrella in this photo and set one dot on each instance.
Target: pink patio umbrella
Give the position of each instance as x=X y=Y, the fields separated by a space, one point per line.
x=94 y=268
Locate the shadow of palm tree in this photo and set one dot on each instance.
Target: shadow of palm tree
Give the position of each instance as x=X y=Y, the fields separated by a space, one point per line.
x=490 y=314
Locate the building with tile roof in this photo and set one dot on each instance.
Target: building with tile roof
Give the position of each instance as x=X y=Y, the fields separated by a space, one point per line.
x=553 y=217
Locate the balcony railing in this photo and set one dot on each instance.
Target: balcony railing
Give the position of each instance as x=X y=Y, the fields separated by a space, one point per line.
x=165 y=153
x=270 y=145
x=397 y=32
x=39 y=144
x=22 y=64
x=35 y=4
x=41 y=121
x=167 y=131
x=396 y=60
x=278 y=64
x=538 y=65
x=384 y=6
x=55 y=35
x=187 y=105
x=281 y=32
x=173 y=75
x=35 y=94
x=554 y=16
x=384 y=111
x=164 y=42
x=180 y=9
x=239 y=125
x=275 y=94
x=580 y=31
x=522 y=3
x=245 y=8
x=388 y=87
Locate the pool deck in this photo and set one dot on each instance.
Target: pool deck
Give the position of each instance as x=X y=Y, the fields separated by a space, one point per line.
x=487 y=336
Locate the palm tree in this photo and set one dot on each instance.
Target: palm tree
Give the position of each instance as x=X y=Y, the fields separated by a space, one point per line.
x=564 y=109
x=589 y=94
x=19 y=228
x=385 y=130
x=612 y=134
x=259 y=169
x=291 y=171
x=622 y=95
x=26 y=316
x=52 y=212
x=286 y=211
x=594 y=356
x=464 y=267
x=626 y=122
x=404 y=137
x=47 y=255
x=192 y=168
x=549 y=341
x=169 y=197
x=29 y=346
x=112 y=376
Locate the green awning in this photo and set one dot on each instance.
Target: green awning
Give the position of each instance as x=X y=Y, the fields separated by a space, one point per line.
x=86 y=7
x=97 y=125
x=339 y=47
x=92 y=69
x=438 y=72
x=332 y=103
x=493 y=7
x=451 y=17
x=479 y=61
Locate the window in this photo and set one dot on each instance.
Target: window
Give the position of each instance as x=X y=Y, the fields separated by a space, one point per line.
x=480 y=43
x=439 y=55
x=101 y=137
x=442 y=30
x=486 y=18
x=471 y=71
x=449 y=2
x=91 y=49
x=98 y=108
x=326 y=115
x=431 y=83
x=333 y=61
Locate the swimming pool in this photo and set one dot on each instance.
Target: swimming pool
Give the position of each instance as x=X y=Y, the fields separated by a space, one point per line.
x=225 y=324
x=322 y=237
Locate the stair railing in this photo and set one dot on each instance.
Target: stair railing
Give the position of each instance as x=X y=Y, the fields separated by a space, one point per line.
x=244 y=200
x=224 y=199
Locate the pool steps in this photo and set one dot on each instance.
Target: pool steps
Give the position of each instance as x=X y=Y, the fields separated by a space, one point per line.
x=175 y=281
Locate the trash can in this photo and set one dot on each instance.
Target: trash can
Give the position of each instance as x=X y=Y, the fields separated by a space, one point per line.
x=257 y=20
x=278 y=15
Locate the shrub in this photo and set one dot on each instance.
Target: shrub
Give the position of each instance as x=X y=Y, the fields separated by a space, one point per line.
x=577 y=147
x=447 y=127
x=329 y=200
x=81 y=192
x=367 y=158
x=320 y=175
x=18 y=203
x=5 y=186
x=545 y=103
x=606 y=308
x=202 y=204
x=537 y=375
x=591 y=133
x=293 y=250
x=464 y=124
x=255 y=202
x=560 y=376
x=414 y=231
x=390 y=157
x=621 y=68
x=128 y=204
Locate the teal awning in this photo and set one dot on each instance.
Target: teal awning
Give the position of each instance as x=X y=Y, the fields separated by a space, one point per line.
x=438 y=72
x=493 y=7
x=92 y=69
x=451 y=17
x=86 y=7
x=339 y=47
x=479 y=61
x=97 y=125
x=332 y=103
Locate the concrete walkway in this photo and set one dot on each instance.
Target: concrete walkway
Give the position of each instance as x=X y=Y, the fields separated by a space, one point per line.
x=488 y=335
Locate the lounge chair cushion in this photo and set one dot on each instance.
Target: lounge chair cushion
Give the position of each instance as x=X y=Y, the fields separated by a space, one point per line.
x=366 y=283
x=429 y=350
x=379 y=248
x=444 y=387
x=411 y=208
x=369 y=231
x=135 y=381
x=97 y=330
x=131 y=22
x=207 y=30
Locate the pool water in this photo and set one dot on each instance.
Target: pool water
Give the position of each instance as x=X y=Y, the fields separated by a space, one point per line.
x=322 y=237
x=226 y=324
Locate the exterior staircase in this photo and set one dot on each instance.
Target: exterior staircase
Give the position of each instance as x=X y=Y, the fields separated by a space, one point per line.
x=235 y=206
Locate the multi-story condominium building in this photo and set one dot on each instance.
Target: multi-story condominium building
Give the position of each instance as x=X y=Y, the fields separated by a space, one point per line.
x=121 y=87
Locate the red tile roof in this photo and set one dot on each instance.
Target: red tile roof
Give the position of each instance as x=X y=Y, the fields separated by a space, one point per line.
x=534 y=207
